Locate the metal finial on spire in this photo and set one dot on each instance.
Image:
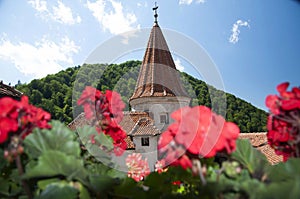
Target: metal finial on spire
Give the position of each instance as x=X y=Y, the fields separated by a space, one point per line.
x=155 y=12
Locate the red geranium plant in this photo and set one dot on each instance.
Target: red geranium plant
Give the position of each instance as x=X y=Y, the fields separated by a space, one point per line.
x=284 y=121
x=17 y=120
x=105 y=111
x=196 y=133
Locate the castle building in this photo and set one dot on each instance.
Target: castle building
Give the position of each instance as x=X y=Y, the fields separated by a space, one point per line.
x=157 y=94
x=158 y=90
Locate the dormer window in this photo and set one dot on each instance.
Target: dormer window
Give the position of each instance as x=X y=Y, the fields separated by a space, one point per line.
x=164 y=119
x=145 y=141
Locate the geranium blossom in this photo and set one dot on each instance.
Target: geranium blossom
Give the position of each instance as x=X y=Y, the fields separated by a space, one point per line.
x=283 y=122
x=160 y=166
x=19 y=117
x=197 y=131
x=118 y=136
x=138 y=168
x=105 y=110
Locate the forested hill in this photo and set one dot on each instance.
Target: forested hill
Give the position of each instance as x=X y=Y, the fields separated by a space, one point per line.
x=57 y=93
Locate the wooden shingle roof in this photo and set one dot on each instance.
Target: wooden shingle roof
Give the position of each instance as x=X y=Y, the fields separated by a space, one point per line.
x=9 y=91
x=158 y=76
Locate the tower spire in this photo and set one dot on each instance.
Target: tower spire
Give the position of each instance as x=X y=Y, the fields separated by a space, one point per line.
x=155 y=13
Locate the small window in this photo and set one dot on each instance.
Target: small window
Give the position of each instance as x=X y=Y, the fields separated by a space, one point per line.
x=145 y=141
x=164 y=119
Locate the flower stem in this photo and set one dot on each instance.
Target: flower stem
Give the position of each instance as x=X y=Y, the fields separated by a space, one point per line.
x=201 y=174
x=197 y=170
x=21 y=172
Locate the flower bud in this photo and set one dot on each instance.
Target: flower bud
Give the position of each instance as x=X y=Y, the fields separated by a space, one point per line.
x=20 y=150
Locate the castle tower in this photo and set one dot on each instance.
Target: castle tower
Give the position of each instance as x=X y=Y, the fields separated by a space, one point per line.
x=158 y=90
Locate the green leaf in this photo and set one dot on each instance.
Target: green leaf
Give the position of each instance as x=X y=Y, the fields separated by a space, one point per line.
x=84 y=194
x=96 y=149
x=250 y=158
x=59 y=190
x=102 y=183
x=8 y=188
x=101 y=169
x=59 y=138
x=42 y=184
x=285 y=180
x=54 y=163
x=2 y=160
x=128 y=189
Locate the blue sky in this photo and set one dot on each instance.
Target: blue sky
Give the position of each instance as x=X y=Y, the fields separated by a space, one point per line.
x=255 y=44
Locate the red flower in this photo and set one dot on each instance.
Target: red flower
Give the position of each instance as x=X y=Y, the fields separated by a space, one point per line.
x=105 y=111
x=7 y=125
x=290 y=104
x=284 y=121
x=90 y=94
x=9 y=107
x=116 y=104
x=118 y=136
x=281 y=88
x=273 y=103
x=198 y=131
x=160 y=166
x=183 y=161
x=177 y=183
x=101 y=106
x=20 y=117
x=138 y=168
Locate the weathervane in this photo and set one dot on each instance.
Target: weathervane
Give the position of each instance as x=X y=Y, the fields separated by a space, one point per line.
x=155 y=12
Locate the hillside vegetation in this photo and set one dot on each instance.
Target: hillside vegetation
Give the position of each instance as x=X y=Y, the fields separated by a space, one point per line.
x=59 y=92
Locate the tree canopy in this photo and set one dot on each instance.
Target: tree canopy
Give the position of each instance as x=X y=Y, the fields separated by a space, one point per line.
x=58 y=93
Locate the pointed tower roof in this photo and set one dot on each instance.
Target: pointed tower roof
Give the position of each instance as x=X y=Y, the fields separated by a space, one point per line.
x=158 y=76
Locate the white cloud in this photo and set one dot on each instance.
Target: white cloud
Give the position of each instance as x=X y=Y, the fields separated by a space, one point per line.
x=234 y=37
x=128 y=35
x=178 y=65
x=188 y=2
x=116 y=20
x=63 y=14
x=60 y=13
x=97 y=9
x=41 y=58
x=39 y=5
x=200 y=1
x=145 y=4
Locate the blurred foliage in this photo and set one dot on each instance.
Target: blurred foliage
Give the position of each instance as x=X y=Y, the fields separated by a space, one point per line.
x=70 y=171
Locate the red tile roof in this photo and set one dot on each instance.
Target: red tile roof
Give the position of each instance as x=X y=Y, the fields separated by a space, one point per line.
x=259 y=141
x=78 y=122
x=139 y=124
x=133 y=123
x=144 y=126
